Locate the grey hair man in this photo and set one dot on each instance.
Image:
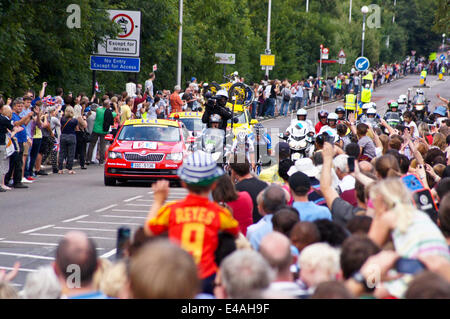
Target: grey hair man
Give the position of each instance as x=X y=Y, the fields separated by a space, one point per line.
x=276 y=250
x=346 y=181
x=244 y=274
x=42 y=284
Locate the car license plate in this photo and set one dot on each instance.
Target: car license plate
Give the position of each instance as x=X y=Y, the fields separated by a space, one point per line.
x=143 y=165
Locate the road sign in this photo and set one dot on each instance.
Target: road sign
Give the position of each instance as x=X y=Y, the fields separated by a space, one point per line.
x=128 y=40
x=442 y=57
x=362 y=63
x=325 y=52
x=267 y=60
x=119 y=64
x=342 y=54
x=341 y=60
x=225 y=58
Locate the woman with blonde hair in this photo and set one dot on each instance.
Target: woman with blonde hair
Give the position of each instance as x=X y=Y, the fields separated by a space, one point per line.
x=439 y=141
x=413 y=232
x=68 y=141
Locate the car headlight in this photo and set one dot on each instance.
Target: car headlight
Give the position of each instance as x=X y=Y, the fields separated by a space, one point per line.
x=175 y=157
x=114 y=155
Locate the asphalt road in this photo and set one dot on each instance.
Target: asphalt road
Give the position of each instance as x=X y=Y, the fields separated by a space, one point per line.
x=33 y=220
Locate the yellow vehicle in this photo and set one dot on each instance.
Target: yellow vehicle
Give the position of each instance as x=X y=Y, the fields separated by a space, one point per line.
x=191 y=120
x=244 y=120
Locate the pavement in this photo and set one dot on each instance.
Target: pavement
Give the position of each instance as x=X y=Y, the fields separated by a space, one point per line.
x=33 y=220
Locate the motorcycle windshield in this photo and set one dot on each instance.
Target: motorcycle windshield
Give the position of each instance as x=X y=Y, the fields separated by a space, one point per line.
x=212 y=139
x=391 y=116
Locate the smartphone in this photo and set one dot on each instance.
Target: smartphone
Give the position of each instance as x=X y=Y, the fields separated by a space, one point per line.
x=123 y=240
x=412 y=182
x=409 y=266
x=351 y=164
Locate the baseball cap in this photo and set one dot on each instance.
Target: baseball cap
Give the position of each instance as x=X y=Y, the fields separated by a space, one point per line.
x=199 y=169
x=441 y=110
x=299 y=182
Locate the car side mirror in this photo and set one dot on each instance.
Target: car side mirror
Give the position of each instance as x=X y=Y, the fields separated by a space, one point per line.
x=109 y=137
x=235 y=120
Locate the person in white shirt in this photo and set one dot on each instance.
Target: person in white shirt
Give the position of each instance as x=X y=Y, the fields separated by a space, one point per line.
x=130 y=87
x=149 y=86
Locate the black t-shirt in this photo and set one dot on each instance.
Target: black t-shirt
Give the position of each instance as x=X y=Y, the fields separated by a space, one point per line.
x=68 y=128
x=5 y=124
x=188 y=97
x=253 y=186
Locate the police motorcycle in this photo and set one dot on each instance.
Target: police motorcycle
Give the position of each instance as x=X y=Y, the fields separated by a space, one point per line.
x=420 y=105
x=331 y=128
x=402 y=103
x=300 y=139
x=371 y=118
x=393 y=116
x=213 y=140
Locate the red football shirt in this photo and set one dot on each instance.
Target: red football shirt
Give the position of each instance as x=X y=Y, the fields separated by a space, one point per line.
x=194 y=223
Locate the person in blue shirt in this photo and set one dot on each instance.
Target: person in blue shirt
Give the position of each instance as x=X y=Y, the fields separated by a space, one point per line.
x=300 y=185
x=16 y=160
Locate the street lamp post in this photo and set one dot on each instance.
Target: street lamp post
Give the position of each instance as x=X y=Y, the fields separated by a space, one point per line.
x=364 y=11
x=268 y=35
x=443 y=41
x=180 y=44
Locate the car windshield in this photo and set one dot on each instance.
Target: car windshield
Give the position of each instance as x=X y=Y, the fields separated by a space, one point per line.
x=193 y=124
x=240 y=116
x=150 y=133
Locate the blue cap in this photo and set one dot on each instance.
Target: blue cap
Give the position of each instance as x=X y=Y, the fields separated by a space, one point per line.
x=441 y=110
x=193 y=79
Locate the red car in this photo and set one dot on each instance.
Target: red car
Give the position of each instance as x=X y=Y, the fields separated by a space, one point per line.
x=146 y=150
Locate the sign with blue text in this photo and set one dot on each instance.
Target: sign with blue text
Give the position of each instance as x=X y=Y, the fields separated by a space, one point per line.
x=362 y=63
x=118 y=64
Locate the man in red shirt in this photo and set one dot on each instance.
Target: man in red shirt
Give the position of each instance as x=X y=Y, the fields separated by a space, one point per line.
x=175 y=101
x=194 y=222
x=323 y=115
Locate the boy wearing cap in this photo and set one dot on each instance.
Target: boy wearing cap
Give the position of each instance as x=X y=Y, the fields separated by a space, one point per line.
x=195 y=221
x=300 y=184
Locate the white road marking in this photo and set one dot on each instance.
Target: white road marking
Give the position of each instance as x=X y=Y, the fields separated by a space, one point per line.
x=144 y=205
x=35 y=229
x=105 y=208
x=73 y=219
x=81 y=228
x=27 y=256
x=109 y=253
x=20 y=269
x=130 y=210
x=124 y=216
x=58 y=235
x=109 y=223
x=27 y=243
x=132 y=198
x=33 y=243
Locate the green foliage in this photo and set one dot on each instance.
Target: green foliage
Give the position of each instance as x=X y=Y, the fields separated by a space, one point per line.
x=36 y=45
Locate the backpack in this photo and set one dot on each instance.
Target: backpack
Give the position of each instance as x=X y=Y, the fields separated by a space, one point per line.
x=286 y=94
x=108 y=120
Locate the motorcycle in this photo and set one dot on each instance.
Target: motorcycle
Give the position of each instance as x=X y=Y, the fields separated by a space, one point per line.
x=212 y=142
x=393 y=119
x=420 y=107
x=301 y=142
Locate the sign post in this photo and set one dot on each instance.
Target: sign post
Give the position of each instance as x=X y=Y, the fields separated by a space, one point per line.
x=120 y=54
x=225 y=58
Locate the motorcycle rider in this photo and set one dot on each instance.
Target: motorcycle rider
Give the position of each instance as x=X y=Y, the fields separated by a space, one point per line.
x=402 y=103
x=423 y=75
x=323 y=115
x=350 y=102
x=262 y=144
x=420 y=107
x=217 y=105
x=364 y=109
x=366 y=94
x=331 y=126
x=242 y=145
x=340 y=111
x=301 y=116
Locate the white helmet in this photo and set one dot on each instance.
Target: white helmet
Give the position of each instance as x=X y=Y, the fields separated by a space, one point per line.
x=302 y=112
x=332 y=116
x=235 y=73
x=367 y=86
x=223 y=93
x=371 y=111
x=366 y=106
x=373 y=105
x=419 y=91
x=402 y=97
